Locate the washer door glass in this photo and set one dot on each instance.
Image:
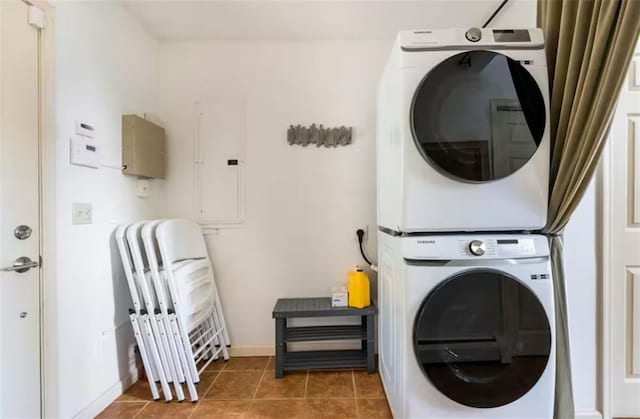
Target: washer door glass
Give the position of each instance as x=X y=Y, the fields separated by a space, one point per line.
x=482 y=338
x=478 y=116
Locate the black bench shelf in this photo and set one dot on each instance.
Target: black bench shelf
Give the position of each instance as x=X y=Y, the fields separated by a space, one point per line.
x=287 y=308
x=306 y=334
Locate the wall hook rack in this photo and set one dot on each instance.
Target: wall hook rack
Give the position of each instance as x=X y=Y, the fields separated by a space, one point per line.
x=319 y=135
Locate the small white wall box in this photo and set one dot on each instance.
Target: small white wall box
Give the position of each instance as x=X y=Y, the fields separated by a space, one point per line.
x=339 y=297
x=84 y=152
x=36 y=17
x=143 y=188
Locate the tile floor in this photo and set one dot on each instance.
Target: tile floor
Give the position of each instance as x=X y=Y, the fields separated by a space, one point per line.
x=247 y=388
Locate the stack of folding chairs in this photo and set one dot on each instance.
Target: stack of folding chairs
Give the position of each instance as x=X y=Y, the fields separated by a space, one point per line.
x=176 y=316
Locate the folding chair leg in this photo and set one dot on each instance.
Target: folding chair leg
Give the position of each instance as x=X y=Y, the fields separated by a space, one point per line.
x=146 y=362
x=155 y=356
x=193 y=393
x=218 y=325
x=223 y=323
x=210 y=325
x=164 y=338
x=202 y=335
x=157 y=338
x=173 y=348
x=211 y=352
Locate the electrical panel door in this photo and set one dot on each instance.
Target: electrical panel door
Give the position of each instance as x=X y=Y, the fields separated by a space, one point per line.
x=220 y=141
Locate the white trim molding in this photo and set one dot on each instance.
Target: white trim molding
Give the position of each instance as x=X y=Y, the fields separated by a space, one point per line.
x=48 y=284
x=604 y=183
x=98 y=405
x=251 y=350
x=586 y=414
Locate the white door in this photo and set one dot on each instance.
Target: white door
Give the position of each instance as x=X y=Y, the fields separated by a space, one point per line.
x=19 y=214
x=510 y=139
x=622 y=230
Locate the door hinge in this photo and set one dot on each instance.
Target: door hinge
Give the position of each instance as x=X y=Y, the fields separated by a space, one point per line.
x=36 y=17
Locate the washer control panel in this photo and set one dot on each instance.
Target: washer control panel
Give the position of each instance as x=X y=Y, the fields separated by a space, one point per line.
x=477 y=247
x=501 y=248
x=516 y=247
x=450 y=247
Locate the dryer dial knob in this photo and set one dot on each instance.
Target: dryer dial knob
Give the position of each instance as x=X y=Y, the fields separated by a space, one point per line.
x=474 y=34
x=477 y=247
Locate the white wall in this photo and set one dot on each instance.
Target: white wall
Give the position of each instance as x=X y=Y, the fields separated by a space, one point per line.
x=303 y=204
x=106 y=66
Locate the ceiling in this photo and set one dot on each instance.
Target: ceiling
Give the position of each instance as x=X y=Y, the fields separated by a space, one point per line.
x=319 y=19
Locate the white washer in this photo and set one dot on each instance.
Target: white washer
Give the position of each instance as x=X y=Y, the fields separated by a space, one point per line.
x=463 y=132
x=466 y=326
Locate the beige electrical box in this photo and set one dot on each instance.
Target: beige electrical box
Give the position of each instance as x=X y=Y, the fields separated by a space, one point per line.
x=143 y=148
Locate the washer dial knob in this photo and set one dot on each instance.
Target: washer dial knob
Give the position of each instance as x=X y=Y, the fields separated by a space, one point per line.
x=477 y=247
x=474 y=34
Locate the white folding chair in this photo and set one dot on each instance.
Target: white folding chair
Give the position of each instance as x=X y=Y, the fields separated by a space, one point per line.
x=193 y=292
x=142 y=332
x=158 y=325
x=186 y=238
x=166 y=308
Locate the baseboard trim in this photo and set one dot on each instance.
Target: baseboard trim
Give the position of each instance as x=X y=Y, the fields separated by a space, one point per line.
x=588 y=414
x=106 y=398
x=251 y=350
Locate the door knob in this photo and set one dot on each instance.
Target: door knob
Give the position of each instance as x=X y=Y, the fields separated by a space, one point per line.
x=21 y=265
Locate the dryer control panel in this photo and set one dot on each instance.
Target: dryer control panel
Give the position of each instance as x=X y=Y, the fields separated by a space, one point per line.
x=456 y=247
x=471 y=38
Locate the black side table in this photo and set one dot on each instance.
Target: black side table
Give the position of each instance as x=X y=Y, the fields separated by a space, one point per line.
x=287 y=308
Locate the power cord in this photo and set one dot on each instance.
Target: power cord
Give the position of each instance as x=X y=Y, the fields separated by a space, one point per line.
x=360 y=234
x=495 y=13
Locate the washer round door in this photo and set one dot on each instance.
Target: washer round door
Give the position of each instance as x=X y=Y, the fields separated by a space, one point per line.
x=478 y=116
x=482 y=338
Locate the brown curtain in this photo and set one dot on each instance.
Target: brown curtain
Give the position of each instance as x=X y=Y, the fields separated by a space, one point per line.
x=589 y=44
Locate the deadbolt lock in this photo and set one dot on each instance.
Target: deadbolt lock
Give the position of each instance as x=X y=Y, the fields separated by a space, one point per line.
x=22 y=232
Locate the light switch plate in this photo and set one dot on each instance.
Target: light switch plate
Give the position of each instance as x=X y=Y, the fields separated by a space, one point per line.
x=82 y=213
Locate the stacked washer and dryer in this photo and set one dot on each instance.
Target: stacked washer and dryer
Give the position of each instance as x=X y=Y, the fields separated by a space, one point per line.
x=466 y=309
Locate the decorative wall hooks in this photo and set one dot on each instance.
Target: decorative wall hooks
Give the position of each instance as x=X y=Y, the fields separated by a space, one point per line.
x=320 y=136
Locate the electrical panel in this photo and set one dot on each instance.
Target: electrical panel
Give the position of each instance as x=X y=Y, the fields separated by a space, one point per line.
x=143 y=148
x=220 y=164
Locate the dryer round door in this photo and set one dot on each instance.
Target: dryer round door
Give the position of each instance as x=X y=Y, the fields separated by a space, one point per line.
x=482 y=338
x=478 y=116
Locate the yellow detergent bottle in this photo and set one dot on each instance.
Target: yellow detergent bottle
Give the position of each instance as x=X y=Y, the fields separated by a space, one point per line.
x=358 y=288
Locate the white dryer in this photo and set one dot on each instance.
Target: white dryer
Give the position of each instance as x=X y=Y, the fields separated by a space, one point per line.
x=463 y=131
x=467 y=326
